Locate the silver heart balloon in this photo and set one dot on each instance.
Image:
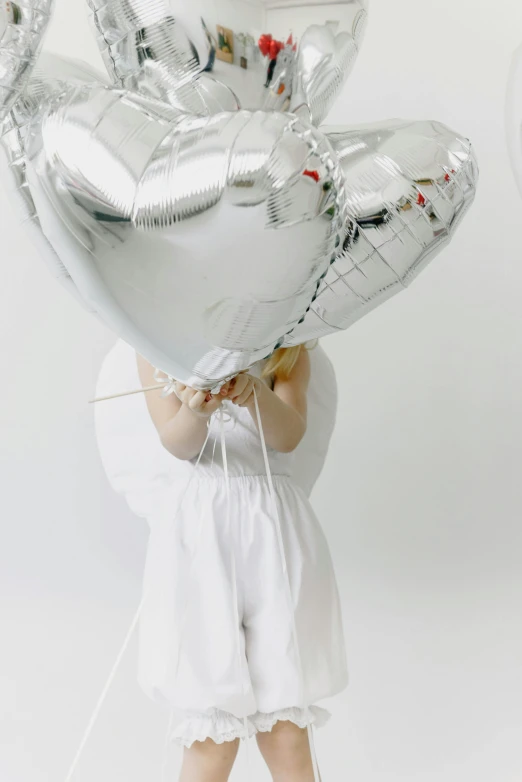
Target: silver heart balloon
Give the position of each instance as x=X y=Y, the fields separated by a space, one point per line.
x=202 y=240
x=408 y=186
x=167 y=49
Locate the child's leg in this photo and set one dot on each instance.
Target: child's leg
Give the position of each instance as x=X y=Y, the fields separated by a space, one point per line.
x=207 y=761
x=286 y=751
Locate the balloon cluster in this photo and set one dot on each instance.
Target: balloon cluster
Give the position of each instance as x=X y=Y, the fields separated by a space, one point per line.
x=206 y=218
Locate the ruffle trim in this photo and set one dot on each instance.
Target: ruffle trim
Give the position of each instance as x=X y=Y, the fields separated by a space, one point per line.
x=316 y=716
x=221 y=726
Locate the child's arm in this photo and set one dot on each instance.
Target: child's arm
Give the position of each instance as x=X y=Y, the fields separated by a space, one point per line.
x=181 y=421
x=283 y=410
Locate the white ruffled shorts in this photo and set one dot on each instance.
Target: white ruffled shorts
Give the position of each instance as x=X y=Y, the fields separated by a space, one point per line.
x=221 y=617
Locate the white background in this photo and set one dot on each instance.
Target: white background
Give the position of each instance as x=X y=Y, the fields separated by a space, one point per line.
x=421 y=498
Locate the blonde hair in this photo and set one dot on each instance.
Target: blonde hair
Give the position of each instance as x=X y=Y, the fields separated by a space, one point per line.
x=281 y=363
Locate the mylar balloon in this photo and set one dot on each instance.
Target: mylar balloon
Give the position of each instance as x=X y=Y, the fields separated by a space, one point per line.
x=407 y=186
x=202 y=240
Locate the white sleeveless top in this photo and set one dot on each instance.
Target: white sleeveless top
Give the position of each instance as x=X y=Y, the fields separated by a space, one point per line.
x=140 y=468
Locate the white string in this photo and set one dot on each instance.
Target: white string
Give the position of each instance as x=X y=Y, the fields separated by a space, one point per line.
x=213 y=452
x=235 y=590
x=284 y=564
x=101 y=700
x=135 y=620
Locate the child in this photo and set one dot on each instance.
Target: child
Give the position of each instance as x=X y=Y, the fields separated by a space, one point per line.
x=220 y=643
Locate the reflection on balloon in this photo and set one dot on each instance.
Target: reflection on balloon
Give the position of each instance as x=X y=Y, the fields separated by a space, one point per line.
x=192 y=202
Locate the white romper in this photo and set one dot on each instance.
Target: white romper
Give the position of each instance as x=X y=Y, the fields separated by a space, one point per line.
x=216 y=629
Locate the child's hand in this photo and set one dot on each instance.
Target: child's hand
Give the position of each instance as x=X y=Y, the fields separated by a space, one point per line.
x=202 y=403
x=241 y=389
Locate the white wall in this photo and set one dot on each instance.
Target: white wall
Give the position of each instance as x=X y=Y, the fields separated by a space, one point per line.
x=241 y=16
x=421 y=499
